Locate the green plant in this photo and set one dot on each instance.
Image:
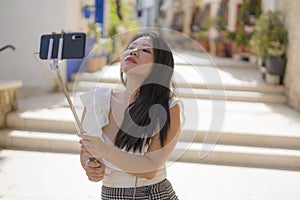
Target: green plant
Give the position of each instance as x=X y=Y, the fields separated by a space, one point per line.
x=269 y=32
x=94 y=31
x=276 y=49
x=206 y=25
x=249 y=10
x=120 y=15
x=244 y=12
x=256 y=8
x=221 y=38
x=202 y=36
x=101 y=46
x=219 y=23
x=242 y=38
x=230 y=35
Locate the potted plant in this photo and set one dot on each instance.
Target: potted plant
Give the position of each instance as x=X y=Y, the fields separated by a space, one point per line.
x=275 y=61
x=270 y=41
x=98 y=56
x=231 y=46
x=246 y=22
x=220 y=44
x=203 y=40
x=242 y=40
x=120 y=20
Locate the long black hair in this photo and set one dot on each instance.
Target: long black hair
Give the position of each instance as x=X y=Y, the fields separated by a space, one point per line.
x=151 y=99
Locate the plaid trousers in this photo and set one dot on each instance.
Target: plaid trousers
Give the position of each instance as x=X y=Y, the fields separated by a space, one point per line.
x=159 y=191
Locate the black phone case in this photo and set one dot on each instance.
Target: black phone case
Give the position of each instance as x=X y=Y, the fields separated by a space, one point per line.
x=73 y=45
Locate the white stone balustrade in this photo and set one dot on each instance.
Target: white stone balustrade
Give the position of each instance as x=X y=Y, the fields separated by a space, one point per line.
x=8 y=98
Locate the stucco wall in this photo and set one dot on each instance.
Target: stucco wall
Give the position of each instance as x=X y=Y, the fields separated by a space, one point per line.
x=22 y=23
x=232 y=14
x=291 y=14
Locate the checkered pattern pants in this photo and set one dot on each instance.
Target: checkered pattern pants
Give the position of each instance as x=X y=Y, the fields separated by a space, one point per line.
x=159 y=191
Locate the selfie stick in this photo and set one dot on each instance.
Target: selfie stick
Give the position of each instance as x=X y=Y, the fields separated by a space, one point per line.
x=54 y=66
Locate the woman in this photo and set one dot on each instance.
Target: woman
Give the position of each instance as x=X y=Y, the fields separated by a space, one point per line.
x=132 y=133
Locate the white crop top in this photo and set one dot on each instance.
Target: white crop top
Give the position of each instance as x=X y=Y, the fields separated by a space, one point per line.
x=97 y=104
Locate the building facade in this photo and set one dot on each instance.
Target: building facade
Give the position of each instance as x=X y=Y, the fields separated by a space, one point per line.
x=290 y=10
x=180 y=16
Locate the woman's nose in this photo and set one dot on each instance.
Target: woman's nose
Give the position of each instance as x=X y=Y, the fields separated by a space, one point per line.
x=134 y=52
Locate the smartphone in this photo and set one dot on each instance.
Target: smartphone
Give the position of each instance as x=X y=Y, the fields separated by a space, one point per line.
x=73 y=45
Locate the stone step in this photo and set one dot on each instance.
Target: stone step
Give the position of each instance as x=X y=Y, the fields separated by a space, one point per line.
x=243 y=123
x=203 y=59
x=108 y=76
x=196 y=93
x=41 y=123
x=251 y=139
x=231 y=95
x=39 y=141
x=185 y=152
x=238 y=156
x=43 y=120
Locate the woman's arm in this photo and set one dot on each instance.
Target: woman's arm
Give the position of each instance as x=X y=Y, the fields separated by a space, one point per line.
x=94 y=170
x=148 y=163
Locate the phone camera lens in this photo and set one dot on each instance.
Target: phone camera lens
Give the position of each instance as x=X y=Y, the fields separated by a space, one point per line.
x=74 y=37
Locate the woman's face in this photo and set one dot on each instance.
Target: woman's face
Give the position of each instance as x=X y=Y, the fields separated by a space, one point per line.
x=138 y=58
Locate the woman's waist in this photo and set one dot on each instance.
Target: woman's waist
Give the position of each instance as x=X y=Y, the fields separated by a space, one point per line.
x=121 y=179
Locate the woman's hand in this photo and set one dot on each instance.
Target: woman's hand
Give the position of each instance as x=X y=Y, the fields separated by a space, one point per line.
x=94 y=170
x=94 y=145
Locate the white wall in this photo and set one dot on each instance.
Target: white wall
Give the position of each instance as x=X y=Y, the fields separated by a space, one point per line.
x=232 y=14
x=269 y=4
x=148 y=17
x=22 y=23
x=291 y=17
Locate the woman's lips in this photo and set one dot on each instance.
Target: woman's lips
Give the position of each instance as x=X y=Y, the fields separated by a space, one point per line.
x=130 y=59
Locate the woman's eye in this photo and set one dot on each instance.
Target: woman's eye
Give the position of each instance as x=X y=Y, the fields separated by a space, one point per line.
x=146 y=50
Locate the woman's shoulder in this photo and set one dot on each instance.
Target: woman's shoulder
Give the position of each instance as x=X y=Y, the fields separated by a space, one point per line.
x=174 y=101
x=96 y=95
x=116 y=93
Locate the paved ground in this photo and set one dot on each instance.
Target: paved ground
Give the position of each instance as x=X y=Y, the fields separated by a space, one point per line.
x=26 y=175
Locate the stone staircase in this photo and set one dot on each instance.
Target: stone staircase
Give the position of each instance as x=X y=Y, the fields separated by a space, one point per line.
x=259 y=129
x=197 y=81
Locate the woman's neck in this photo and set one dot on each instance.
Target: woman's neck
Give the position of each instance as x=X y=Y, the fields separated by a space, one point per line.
x=133 y=83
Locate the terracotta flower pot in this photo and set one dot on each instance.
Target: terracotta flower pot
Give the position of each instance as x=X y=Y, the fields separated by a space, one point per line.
x=220 y=49
x=245 y=48
x=204 y=45
x=95 y=64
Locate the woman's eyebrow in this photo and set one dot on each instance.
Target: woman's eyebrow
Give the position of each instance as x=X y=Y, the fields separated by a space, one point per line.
x=147 y=45
x=144 y=45
x=132 y=43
